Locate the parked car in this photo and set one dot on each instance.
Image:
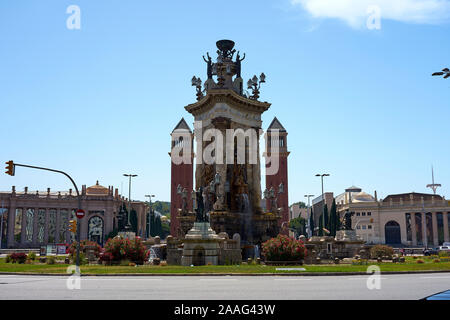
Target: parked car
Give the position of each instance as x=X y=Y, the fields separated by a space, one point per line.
x=430 y=252
x=443 y=248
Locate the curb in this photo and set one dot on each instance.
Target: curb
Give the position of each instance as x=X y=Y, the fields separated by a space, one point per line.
x=308 y=274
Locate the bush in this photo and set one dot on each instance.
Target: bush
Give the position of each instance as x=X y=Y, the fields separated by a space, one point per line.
x=32 y=255
x=436 y=260
x=106 y=257
x=443 y=254
x=83 y=259
x=119 y=249
x=283 y=248
x=83 y=244
x=8 y=259
x=51 y=260
x=18 y=257
x=420 y=261
x=380 y=251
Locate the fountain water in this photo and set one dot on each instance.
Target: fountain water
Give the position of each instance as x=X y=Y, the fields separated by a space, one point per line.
x=152 y=255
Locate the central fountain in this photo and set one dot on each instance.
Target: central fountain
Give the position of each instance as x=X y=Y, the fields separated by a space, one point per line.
x=228 y=168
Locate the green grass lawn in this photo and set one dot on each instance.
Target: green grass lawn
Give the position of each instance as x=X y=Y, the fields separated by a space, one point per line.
x=410 y=265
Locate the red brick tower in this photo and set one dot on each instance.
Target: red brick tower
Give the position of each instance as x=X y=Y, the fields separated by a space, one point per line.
x=280 y=176
x=182 y=174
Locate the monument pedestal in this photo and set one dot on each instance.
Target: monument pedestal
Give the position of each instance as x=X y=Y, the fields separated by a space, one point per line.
x=127 y=235
x=347 y=235
x=201 y=246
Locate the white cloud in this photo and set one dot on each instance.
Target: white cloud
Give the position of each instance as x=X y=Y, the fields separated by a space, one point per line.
x=354 y=12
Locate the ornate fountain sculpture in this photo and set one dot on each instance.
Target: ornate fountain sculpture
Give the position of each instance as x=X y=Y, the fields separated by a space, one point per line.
x=231 y=192
x=273 y=198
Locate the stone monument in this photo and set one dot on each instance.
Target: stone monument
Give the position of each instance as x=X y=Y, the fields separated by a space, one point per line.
x=201 y=244
x=231 y=183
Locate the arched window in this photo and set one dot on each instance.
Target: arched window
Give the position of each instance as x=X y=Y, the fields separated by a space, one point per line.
x=95 y=229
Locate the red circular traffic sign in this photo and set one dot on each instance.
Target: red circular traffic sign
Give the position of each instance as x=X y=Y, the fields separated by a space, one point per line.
x=80 y=213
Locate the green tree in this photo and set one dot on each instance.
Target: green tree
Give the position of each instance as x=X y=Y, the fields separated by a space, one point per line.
x=165 y=230
x=333 y=214
x=311 y=221
x=321 y=225
x=325 y=215
x=162 y=207
x=158 y=226
x=133 y=220
x=298 y=224
x=301 y=204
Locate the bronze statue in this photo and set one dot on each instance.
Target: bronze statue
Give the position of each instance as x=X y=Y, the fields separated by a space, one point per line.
x=238 y=64
x=209 y=63
x=348 y=220
x=201 y=214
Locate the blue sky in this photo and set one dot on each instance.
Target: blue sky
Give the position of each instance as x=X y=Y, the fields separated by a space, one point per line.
x=101 y=101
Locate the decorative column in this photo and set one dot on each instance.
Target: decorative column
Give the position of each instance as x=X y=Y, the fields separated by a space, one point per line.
x=424 y=229
x=58 y=223
x=11 y=221
x=413 y=229
x=435 y=229
x=445 y=218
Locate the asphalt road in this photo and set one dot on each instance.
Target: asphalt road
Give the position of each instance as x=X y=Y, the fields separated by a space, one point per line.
x=393 y=287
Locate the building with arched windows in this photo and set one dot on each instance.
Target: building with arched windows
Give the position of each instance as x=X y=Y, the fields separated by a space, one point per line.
x=408 y=219
x=32 y=219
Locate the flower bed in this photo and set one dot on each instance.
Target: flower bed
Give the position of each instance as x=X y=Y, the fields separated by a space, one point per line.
x=283 y=249
x=119 y=249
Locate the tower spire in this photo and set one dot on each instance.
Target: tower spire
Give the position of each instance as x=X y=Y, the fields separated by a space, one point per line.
x=433 y=186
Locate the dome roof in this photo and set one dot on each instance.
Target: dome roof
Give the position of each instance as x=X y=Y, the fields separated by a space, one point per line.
x=362 y=197
x=97 y=190
x=355 y=194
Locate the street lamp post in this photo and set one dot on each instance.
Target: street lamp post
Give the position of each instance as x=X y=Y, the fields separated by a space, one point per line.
x=309 y=196
x=323 y=199
x=149 y=196
x=128 y=226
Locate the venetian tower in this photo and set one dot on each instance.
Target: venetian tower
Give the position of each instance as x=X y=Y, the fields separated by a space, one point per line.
x=227 y=131
x=181 y=175
x=278 y=180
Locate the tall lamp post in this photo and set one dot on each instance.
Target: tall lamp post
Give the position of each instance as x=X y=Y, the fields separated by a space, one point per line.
x=149 y=196
x=128 y=226
x=309 y=196
x=323 y=199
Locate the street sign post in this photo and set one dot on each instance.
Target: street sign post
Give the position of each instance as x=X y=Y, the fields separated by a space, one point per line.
x=80 y=213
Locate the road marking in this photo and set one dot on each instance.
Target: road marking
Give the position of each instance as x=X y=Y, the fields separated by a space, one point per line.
x=435 y=277
x=292 y=279
x=218 y=279
x=364 y=278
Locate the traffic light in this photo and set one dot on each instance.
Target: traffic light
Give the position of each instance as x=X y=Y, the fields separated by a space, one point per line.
x=10 y=167
x=73 y=226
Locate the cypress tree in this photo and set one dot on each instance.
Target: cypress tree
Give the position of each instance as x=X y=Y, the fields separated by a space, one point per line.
x=152 y=224
x=158 y=226
x=333 y=219
x=311 y=221
x=133 y=220
x=321 y=225
x=326 y=221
